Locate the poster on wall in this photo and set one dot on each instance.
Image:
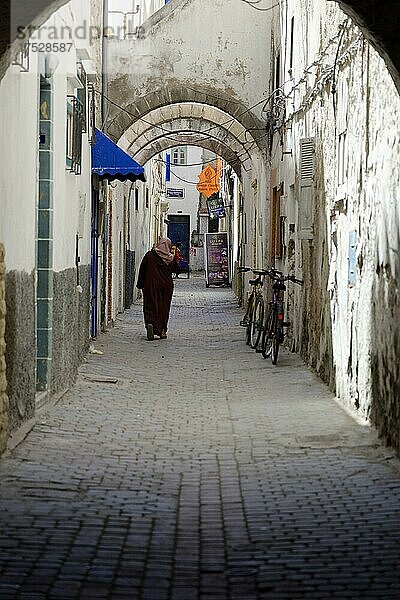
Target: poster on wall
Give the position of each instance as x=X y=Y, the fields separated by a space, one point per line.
x=216 y=250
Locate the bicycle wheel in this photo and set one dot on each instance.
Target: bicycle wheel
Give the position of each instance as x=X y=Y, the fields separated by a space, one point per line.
x=266 y=344
x=249 y=320
x=276 y=341
x=257 y=322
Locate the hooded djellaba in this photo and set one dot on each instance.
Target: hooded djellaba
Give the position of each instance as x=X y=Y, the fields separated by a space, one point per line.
x=155 y=280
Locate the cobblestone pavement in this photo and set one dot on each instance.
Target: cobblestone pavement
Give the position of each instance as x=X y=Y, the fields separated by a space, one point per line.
x=203 y=472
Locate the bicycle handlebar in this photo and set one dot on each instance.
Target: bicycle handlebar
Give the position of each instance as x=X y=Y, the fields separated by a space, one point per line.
x=275 y=274
x=255 y=271
x=295 y=280
x=260 y=271
x=271 y=272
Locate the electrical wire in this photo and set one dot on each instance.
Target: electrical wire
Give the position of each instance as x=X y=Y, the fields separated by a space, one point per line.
x=206 y=162
x=219 y=172
x=317 y=84
x=324 y=79
x=258 y=8
x=186 y=181
x=169 y=133
x=333 y=86
x=238 y=155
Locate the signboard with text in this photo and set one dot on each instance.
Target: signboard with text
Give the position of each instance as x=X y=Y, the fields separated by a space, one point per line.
x=216 y=208
x=208 y=181
x=216 y=250
x=175 y=193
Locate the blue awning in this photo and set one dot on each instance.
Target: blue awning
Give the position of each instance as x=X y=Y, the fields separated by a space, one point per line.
x=110 y=162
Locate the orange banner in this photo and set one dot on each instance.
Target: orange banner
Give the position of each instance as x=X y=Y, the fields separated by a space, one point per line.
x=209 y=180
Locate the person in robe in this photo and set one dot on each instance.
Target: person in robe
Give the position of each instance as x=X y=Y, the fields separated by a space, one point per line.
x=155 y=280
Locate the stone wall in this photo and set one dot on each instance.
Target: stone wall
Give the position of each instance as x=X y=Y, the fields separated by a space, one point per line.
x=3 y=379
x=71 y=311
x=346 y=320
x=385 y=367
x=20 y=346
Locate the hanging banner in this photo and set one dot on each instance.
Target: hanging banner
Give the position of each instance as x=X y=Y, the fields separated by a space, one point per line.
x=208 y=181
x=167 y=167
x=216 y=250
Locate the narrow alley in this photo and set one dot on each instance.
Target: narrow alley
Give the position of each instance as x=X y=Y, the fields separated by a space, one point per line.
x=192 y=468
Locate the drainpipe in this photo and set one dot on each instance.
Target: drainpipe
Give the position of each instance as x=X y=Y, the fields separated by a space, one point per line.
x=104 y=104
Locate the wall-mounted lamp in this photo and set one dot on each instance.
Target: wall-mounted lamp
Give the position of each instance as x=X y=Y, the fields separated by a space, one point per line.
x=51 y=63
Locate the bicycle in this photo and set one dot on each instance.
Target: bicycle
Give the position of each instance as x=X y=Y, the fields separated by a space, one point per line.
x=254 y=317
x=273 y=330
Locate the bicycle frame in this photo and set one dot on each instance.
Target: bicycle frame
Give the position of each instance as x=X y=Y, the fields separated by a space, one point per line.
x=254 y=316
x=273 y=330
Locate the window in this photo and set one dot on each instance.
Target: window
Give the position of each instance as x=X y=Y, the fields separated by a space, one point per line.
x=21 y=59
x=82 y=94
x=147 y=197
x=92 y=113
x=277 y=71
x=277 y=224
x=136 y=199
x=341 y=126
x=74 y=135
x=179 y=155
x=342 y=158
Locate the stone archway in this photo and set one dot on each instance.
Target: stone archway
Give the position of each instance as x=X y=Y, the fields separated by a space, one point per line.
x=380 y=23
x=194 y=124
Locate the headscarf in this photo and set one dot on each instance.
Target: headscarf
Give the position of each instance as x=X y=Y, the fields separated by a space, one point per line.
x=163 y=249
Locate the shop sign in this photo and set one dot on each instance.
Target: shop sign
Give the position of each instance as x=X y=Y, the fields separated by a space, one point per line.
x=216 y=250
x=175 y=193
x=208 y=181
x=216 y=208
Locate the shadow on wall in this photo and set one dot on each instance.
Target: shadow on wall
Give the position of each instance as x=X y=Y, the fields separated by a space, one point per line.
x=385 y=404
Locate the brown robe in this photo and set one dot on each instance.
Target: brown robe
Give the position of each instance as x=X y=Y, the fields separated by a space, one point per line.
x=155 y=279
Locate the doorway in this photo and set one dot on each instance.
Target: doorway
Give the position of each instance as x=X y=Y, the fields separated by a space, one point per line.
x=179 y=233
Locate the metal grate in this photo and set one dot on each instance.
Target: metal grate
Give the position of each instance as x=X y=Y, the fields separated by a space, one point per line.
x=74 y=134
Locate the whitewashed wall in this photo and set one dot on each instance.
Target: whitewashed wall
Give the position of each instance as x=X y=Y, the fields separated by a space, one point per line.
x=335 y=315
x=19 y=163
x=46 y=324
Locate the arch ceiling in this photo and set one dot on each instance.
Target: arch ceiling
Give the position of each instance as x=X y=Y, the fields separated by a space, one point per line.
x=184 y=102
x=193 y=124
x=191 y=111
x=194 y=131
